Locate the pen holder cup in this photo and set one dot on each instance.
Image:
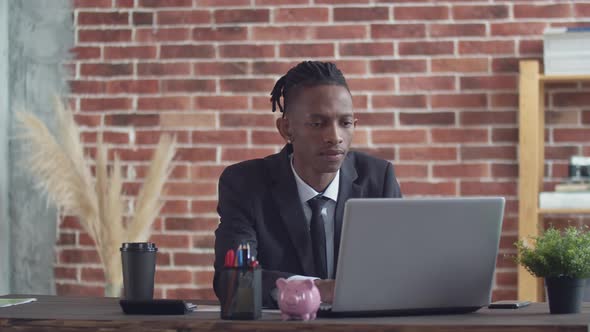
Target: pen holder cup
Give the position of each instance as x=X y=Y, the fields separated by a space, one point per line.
x=241 y=293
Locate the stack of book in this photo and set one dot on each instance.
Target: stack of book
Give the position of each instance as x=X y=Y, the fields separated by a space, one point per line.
x=573 y=187
x=570 y=195
x=566 y=50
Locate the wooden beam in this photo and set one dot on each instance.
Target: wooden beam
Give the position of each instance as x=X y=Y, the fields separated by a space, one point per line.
x=530 y=169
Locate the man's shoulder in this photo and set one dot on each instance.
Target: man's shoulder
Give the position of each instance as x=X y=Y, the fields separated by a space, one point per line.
x=251 y=169
x=375 y=174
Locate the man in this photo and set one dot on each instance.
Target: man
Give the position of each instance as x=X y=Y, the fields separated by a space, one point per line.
x=289 y=206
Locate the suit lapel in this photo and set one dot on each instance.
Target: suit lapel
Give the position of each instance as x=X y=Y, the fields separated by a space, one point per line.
x=286 y=196
x=347 y=189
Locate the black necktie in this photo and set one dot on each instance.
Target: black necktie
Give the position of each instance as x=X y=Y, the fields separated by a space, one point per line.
x=318 y=235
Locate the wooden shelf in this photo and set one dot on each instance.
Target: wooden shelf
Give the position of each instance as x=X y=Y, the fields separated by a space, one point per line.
x=564 y=78
x=564 y=211
x=531 y=158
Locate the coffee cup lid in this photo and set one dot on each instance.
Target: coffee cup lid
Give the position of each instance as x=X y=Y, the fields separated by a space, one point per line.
x=139 y=246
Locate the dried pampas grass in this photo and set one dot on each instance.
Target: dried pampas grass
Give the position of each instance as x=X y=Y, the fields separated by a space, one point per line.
x=148 y=204
x=64 y=173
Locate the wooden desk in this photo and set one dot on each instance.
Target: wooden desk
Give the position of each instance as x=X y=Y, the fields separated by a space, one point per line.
x=53 y=313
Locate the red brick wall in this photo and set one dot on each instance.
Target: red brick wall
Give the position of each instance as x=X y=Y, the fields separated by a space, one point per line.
x=434 y=84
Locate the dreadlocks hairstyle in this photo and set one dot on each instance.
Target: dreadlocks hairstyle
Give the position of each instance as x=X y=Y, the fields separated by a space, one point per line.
x=305 y=74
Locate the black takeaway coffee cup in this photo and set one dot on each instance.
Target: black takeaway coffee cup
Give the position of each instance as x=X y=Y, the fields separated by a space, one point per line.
x=139 y=268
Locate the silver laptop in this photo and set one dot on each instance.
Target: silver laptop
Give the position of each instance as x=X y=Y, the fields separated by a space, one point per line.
x=416 y=256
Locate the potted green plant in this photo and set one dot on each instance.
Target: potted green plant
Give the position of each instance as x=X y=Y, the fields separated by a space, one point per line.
x=563 y=259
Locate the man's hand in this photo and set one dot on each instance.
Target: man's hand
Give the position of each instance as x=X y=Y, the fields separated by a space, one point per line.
x=326 y=288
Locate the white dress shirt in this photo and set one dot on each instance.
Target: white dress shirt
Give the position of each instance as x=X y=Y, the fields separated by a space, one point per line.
x=306 y=192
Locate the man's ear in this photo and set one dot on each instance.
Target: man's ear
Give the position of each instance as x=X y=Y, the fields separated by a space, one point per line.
x=354 y=122
x=282 y=124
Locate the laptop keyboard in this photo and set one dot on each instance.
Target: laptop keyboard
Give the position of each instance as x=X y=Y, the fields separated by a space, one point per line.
x=325 y=307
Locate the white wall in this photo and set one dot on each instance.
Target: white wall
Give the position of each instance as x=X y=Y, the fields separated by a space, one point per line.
x=4 y=119
x=40 y=34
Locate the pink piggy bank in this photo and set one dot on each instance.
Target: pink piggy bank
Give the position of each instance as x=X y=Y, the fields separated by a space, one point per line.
x=298 y=299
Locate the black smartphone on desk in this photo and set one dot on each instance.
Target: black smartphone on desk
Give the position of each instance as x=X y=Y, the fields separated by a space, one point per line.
x=508 y=304
x=156 y=307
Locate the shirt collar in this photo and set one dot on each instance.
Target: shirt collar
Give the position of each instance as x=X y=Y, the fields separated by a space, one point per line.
x=306 y=192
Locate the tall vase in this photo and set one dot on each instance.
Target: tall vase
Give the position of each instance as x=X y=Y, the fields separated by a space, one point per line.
x=565 y=294
x=112 y=289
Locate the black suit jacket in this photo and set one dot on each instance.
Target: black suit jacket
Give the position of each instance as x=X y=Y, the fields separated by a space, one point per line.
x=259 y=203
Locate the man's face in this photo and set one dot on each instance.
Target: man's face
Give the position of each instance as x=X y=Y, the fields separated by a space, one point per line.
x=320 y=124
